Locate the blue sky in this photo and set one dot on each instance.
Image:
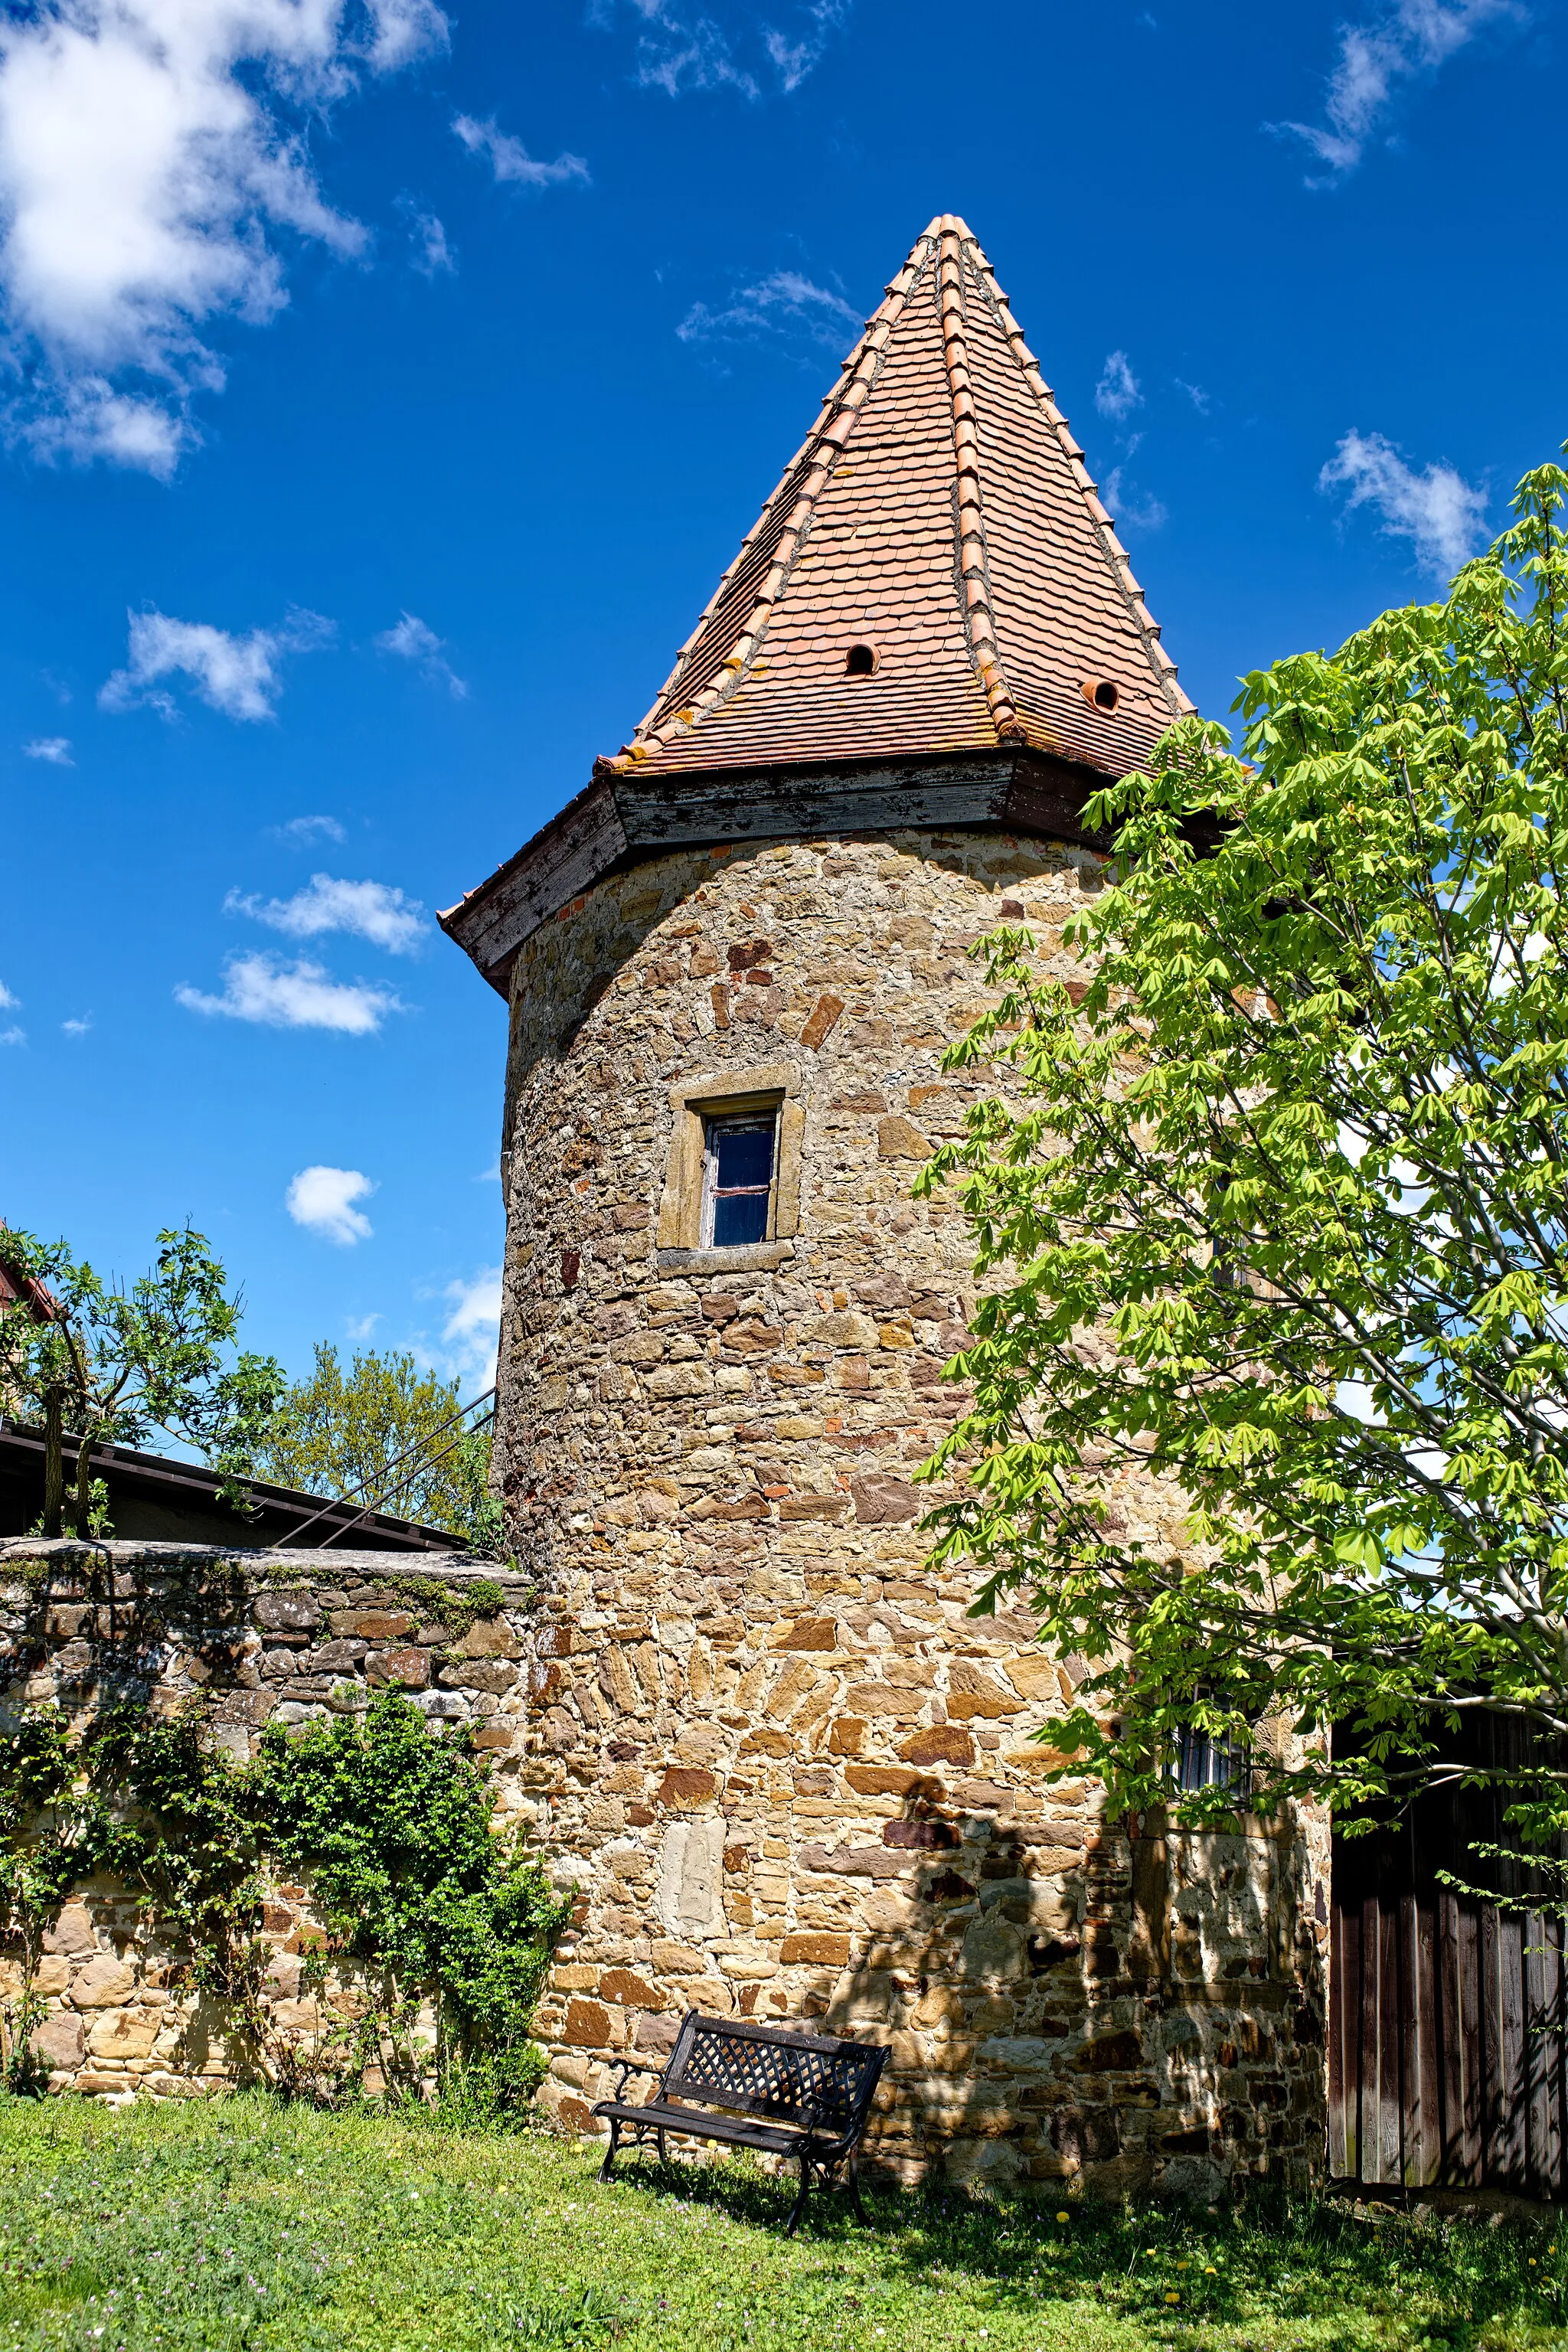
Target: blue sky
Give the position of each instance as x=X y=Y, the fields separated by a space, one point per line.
x=386 y=388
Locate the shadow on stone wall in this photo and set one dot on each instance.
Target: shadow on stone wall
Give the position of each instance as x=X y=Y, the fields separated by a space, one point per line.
x=1144 y=2016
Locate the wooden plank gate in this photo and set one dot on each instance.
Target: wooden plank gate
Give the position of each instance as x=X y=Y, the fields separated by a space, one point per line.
x=1447 y=2058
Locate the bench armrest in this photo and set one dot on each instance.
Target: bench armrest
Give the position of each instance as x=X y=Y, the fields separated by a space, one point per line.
x=622 y=2067
x=811 y=2123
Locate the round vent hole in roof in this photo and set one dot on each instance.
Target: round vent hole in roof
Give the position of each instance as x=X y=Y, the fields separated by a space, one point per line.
x=1103 y=692
x=859 y=661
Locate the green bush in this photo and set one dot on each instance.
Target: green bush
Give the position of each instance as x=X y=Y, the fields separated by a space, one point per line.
x=422 y=1896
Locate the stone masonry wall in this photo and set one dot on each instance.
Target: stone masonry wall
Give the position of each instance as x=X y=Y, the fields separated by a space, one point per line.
x=792 y=1777
x=284 y=1637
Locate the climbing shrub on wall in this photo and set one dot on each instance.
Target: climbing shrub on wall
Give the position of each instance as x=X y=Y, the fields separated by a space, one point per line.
x=53 y=1825
x=421 y=1899
x=414 y=1885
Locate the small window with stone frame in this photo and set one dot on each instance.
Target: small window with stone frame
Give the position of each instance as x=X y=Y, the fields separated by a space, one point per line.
x=738 y=1162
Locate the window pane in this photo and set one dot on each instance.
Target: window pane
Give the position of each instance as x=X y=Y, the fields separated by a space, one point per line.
x=745 y=1155
x=739 y=1218
x=1198 y=1761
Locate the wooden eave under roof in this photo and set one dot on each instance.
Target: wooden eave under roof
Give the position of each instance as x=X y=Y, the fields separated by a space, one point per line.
x=940 y=514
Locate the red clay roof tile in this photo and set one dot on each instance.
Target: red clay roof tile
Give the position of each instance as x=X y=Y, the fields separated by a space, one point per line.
x=940 y=510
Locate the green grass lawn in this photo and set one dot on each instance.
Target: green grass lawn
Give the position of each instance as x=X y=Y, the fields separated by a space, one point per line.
x=246 y=2224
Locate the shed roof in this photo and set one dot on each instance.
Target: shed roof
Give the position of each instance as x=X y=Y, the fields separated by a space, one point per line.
x=152 y=1496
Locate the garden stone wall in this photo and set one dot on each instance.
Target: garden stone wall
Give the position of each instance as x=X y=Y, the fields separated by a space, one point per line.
x=792 y=1777
x=253 y=1638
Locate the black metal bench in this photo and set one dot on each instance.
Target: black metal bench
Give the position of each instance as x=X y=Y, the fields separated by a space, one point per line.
x=800 y=2096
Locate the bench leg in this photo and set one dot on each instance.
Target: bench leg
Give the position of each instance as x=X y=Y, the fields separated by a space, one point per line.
x=610 y=2152
x=799 y=2207
x=852 y=2182
x=663 y=2155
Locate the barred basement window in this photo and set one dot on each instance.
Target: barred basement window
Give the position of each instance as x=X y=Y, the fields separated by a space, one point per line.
x=739 y=1157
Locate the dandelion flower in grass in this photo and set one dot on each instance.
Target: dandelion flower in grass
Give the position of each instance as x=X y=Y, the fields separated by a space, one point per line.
x=1171 y=2296
x=1061 y=2216
x=1210 y=2270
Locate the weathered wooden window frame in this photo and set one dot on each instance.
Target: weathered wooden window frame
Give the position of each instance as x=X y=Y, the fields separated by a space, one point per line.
x=731 y=1094
x=717 y=1124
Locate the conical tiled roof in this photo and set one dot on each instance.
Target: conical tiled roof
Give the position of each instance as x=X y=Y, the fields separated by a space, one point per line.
x=939 y=516
x=940 y=513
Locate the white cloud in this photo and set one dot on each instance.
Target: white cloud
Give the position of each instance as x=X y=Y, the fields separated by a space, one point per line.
x=8 y=1003
x=1442 y=513
x=433 y=256
x=792 y=60
x=1355 y=1398
x=236 y=675
x=413 y=640
x=323 y=1201
x=306 y=830
x=403 y=30
x=508 y=159
x=471 y=1333
x=77 y=1028
x=1410 y=40
x=1200 y=399
x=680 y=50
x=293 y=996
x=367 y=910
x=55 y=749
x=1137 y=514
x=151 y=152
x=1117 y=393
x=783 y=304
x=359 y=1327
x=677 y=52
x=12 y=1036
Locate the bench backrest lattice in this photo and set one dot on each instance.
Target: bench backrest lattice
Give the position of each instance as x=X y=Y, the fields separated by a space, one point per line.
x=761 y=2070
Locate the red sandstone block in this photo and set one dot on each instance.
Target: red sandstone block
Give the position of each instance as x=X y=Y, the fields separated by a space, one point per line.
x=408 y=1667
x=372 y=1625
x=587 y=2025
x=888 y=1781
x=627 y=1989
x=809 y=1633
x=1108 y=2054
x=943 y=1743
x=816 y=1951
x=918 y=1834
x=824 y=1015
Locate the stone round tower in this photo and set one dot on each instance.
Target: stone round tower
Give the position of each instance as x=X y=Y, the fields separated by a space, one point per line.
x=791 y=1778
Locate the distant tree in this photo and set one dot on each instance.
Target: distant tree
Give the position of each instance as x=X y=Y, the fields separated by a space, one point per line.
x=387 y=1435
x=97 y=1364
x=1282 y=1220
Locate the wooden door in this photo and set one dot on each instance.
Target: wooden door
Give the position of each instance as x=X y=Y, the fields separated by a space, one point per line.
x=1445 y=2024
